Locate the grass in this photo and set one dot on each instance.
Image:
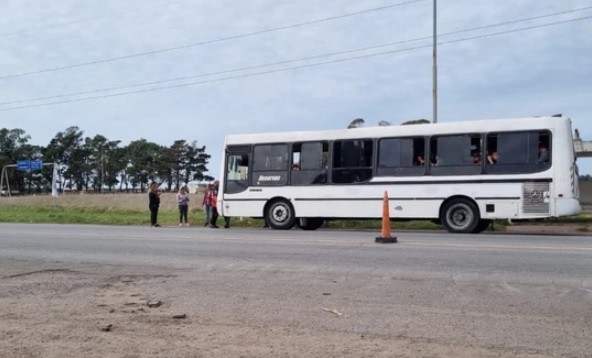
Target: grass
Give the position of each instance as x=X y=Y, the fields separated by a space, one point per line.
x=131 y=209
x=56 y=214
x=582 y=218
x=100 y=216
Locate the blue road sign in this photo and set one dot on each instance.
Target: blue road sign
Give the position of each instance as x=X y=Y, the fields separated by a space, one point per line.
x=36 y=164
x=23 y=165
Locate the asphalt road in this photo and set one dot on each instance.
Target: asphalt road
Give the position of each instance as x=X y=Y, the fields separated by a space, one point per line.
x=427 y=295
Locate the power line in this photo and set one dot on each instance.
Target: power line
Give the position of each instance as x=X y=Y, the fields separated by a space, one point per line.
x=295 y=60
x=100 y=17
x=301 y=66
x=195 y=44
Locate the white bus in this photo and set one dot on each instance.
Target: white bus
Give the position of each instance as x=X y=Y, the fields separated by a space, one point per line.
x=461 y=174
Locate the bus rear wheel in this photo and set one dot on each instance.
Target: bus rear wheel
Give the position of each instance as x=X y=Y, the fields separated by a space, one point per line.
x=311 y=223
x=279 y=215
x=460 y=216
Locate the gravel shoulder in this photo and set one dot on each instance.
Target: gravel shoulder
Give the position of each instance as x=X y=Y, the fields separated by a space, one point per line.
x=66 y=314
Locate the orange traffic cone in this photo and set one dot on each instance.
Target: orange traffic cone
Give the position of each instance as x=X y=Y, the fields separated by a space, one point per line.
x=385 y=236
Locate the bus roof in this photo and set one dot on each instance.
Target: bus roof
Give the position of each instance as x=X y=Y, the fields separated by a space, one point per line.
x=489 y=125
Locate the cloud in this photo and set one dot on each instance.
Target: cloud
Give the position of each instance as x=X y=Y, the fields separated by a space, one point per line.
x=537 y=72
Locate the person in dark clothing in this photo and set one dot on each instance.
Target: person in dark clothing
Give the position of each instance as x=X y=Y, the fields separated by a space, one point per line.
x=154 y=204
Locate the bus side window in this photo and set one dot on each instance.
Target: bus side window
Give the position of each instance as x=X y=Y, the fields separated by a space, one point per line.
x=456 y=150
x=309 y=163
x=459 y=154
x=401 y=156
x=518 y=152
x=270 y=164
x=352 y=161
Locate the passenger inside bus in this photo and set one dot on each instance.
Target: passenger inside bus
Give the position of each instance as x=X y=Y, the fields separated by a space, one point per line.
x=476 y=157
x=419 y=160
x=543 y=154
x=492 y=158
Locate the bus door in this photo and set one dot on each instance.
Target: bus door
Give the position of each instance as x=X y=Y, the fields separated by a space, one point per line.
x=237 y=169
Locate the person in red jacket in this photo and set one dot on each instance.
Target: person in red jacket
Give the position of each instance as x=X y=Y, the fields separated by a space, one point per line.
x=207 y=201
x=213 y=204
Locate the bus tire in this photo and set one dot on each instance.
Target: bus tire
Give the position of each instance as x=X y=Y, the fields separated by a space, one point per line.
x=483 y=225
x=310 y=224
x=280 y=215
x=460 y=215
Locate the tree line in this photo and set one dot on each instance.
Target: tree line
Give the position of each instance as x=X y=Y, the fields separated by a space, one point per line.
x=100 y=164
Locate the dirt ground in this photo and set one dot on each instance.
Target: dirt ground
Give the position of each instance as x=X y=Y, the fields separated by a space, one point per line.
x=61 y=314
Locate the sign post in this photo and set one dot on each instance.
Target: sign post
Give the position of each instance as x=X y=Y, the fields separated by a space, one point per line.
x=36 y=164
x=23 y=165
x=27 y=166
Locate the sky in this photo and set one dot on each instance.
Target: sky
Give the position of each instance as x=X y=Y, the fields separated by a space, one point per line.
x=541 y=71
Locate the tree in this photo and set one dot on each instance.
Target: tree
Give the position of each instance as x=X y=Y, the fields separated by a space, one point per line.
x=105 y=162
x=356 y=123
x=97 y=163
x=65 y=149
x=115 y=163
x=13 y=147
x=197 y=163
x=416 y=121
x=177 y=156
x=186 y=162
x=146 y=161
x=384 y=123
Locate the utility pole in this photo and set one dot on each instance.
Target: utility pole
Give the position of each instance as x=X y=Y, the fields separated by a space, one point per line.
x=102 y=167
x=435 y=69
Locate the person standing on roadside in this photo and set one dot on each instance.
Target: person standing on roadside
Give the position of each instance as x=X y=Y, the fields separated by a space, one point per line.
x=154 y=204
x=207 y=201
x=183 y=201
x=213 y=204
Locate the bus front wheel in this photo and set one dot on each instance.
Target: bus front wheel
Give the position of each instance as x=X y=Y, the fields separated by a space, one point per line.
x=460 y=216
x=280 y=215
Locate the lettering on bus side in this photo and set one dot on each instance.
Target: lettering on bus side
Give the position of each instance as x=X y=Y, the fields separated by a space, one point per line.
x=272 y=178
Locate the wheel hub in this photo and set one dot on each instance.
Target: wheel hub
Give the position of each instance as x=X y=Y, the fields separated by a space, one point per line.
x=279 y=214
x=461 y=217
